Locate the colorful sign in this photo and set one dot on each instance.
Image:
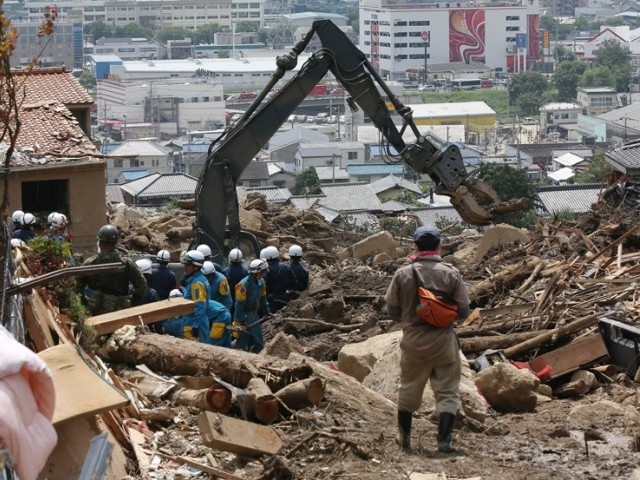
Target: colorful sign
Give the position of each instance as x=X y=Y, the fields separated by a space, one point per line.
x=467 y=35
x=521 y=41
x=533 y=22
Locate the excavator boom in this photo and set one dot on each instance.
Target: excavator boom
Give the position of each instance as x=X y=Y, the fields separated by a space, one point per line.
x=476 y=202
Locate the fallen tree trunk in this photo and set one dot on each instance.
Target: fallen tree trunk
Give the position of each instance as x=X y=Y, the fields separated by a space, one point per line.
x=548 y=336
x=265 y=404
x=302 y=394
x=503 y=279
x=163 y=353
x=497 y=342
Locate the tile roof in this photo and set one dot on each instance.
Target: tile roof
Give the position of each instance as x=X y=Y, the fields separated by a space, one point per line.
x=255 y=171
x=305 y=203
x=573 y=198
x=114 y=193
x=51 y=129
x=52 y=84
x=133 y=148
x=438 y=200
x=389 y=182
x=625 y=159
x=273 y=194
x=394 y=206
x=349 y=196
x=330 y=172
x=161 y=185
x=580 y=152
x=429 y=216
x=364 y=220
x=296 y=134
x=565 y=173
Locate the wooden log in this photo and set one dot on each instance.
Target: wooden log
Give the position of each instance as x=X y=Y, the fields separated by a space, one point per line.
x=496 y=342
x=302 y=394
x=212 y=399
x=545 y=337
x=163 y=353
x=148 y=313
x=608 y=370
x=505 y=278
x=187 y=203
x=265 y=405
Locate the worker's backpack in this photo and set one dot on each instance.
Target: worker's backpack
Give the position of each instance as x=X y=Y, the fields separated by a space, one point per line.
x=434 y=307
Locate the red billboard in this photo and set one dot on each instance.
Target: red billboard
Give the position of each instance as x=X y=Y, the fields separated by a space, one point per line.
x=533 y=26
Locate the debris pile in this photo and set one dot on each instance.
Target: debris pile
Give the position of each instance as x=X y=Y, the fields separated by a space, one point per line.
x=319 y=401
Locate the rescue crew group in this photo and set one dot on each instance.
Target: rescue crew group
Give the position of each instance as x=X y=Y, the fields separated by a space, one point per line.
x=247 y=296
x=230 y=304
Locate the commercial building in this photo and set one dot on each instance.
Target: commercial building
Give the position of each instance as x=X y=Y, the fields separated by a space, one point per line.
x=396 y=35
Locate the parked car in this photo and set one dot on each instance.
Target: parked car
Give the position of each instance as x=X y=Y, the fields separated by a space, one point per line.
x=337 y=91
x=427 y=87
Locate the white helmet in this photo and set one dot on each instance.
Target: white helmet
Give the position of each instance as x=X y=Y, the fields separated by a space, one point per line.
x=235 y=256
x=58 y=220
x=163 y=256
x=144 y=265
x=17 y=243
x=205 y=250
x=175 y=293
x=263 y=254
x=208 y=268
x=50 y=217
x=271 y=253
x=28 y=219
x=257 y=266
x=193 y=257
x=16 y=217
x=295 y=251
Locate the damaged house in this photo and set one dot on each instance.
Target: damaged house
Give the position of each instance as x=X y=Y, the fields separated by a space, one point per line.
x=56 y=167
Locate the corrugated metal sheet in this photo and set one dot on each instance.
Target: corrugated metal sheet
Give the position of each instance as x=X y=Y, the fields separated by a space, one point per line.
x=429 y=216
x=114 y=193
x=273 y=194
x=573 y=198
x=305 y=203
x=375 y=169
x=394 y=206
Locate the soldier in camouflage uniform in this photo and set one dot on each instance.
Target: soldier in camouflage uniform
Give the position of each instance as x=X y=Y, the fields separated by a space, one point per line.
x=110 y=291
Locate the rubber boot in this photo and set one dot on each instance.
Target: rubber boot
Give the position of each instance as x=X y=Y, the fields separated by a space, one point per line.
x=445 y=429
x=404 y=430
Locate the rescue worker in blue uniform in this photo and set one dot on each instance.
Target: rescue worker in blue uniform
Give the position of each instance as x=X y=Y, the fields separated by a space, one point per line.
x=208 y=257
x=299 y=270
x=219 y=319
x=162 y=277
x=251 y=305
x=235 y=271
x=25 y=232
x=174 y=326
x=150 y=293
x=196 y=324
x=219 y=285
x=279 y=278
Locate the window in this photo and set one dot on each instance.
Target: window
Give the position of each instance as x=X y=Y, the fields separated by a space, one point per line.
x=352 y=155
x=155 y=163
x=419 y=23
x=400 y=23
x=400 y=34
x=254 y=183
x=400 y=45
x=117 y=163
x=512 y=18
x=513 y=29
x=46 y=196
x=134 y=163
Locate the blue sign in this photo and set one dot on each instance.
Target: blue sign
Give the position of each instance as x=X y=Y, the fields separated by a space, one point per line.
x=521 y=40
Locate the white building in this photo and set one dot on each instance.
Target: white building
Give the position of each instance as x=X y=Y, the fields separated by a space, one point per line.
x=126 y=48
x=173 y=107
x=138 y=155
x=393 y=33
x=553 y=114
x=154 y=14
x=238 y=73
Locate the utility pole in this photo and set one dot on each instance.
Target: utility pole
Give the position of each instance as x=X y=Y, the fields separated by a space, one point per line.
x=426 y=36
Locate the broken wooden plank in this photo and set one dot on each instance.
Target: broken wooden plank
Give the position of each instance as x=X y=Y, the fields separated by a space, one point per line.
x=148 y=313
x=80 y=391
x=582 y=351
x=505 y=309
x=199 y=466
x=38 y=333
x=238 y=436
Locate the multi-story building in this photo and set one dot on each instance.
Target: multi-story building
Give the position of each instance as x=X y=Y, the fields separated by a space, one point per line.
x=597 y=100
x=62 y=48
x=398 y=35
x=555 y=114
x=170 y=106
x=154 y=14
x=126 y=48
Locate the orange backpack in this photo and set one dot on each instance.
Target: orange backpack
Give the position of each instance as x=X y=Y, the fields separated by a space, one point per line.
x=434 y=307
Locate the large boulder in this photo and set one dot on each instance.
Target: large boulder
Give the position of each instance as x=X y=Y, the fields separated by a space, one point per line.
x=501 y=235
x=376 y=362
x=603 y=414
x=378 y=243
x=507 y=388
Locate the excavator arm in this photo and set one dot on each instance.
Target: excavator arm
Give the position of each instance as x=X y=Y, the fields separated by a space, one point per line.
x=476 y=202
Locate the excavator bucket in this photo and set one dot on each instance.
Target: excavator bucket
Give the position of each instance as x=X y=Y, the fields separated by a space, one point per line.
x=478 y=203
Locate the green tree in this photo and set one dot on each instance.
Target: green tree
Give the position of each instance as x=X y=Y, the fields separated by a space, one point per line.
x=205 y=34
x=173 y=33
x=133 y=30
x=595 y=171
x=87 y=80
x=605 y=77
x=527 y=90
x=612 y=54
x=98 y=30
x=566 y=78
x=510 y=183
x=306 y=183
x=582 y=24
x=223 y=54
x=247 y=27
x=563 y=54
